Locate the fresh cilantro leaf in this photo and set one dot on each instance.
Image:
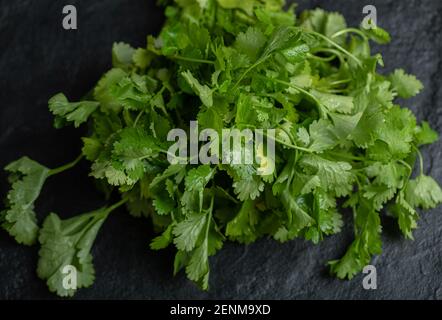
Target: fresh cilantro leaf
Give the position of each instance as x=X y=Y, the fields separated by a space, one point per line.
x=19 y=218
x=423 y=192
x=77 y=112
x=68 y=243
x=405 y=85
x=426 y=135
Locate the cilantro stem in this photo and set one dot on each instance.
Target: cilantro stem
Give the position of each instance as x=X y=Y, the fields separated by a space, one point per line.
x=338 y=82
x=248 y=70
x=337 y=46
x=66 y=167
x=176 y=57
x=322 y=113
x=421 y=159
x=410 y=169
x=117 y=205
x=324 y=59
x=291 y=146
x=349 y=30
x=138 y=118
x=332 y=51
x=209 y=219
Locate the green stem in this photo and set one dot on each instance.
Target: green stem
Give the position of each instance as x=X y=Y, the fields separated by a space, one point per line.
x=338 y=82
x=288 y=133
x=406 y=165
x=332 y=51
x=290 y=145
x=277 y=140
x=324 y=59
x=209 y=219
x=193 y=60
x=66 y=167
x=421 y=159
x=138 y=118
x=322 y=113
x=162 y=108
x=248 y=70
x=117 y=205
x=337 y=46
x=350 y=30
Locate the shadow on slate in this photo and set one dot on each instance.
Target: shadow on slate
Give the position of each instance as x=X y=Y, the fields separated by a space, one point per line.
x=39 y=58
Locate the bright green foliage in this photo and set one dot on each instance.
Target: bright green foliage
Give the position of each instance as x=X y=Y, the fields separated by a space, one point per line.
x=68 y=243
x=19 y=219
x=340 y=138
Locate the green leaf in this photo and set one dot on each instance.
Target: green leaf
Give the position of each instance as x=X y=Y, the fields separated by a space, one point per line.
x=103 y=93
x=367 y=242
x=134 y=147
x=335 y=103
x=426 y=135
x=423 y=192
x=91 y=148
x=67 y=243
x=335 y=176
x=122 y=55
x=405 y=85
x=246 y=5
x=298 y=217
x=164 y=240
x=203 y=91
x=242 y=227
x=377 y=34
x=19 y=219
x=322 y=136
x=250 y=43
x=188 y=231
x=77 y=112
x=198 y=268
x=406 y=215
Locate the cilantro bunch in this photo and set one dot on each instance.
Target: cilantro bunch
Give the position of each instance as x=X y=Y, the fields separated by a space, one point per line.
x=341 y=140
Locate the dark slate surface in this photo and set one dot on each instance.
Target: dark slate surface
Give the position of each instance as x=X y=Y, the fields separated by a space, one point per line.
x=38 y=58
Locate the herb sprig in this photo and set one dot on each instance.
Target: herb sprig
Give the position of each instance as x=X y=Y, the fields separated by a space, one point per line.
x=239 y=64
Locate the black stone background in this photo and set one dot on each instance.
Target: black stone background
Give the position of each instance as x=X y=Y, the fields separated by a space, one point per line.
x=38 y=58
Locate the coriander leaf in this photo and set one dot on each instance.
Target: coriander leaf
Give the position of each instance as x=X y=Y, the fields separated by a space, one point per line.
x=198 y=268
x=164 y=240
x=246 y=5
x=103 y=93
x=91 y=148
x=426 y=135
x=377 y=34
x=423 y=192
x=405 y=85
x=188 y=231
x=133 y=148
x=203 y=91
x=19 y=219
x=122 y=55
x=77 y=112
x=335 y=176
x=68 y=243
x=406 y=215
x=242 y=227
x=250 y=43
x=367 y=242
x=335 y=103
x=246 y=183
x=297 y=216
x=322 y=136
